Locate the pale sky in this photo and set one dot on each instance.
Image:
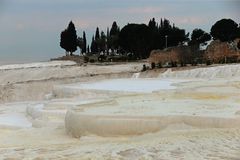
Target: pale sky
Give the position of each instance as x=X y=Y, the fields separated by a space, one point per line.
x=30 y=29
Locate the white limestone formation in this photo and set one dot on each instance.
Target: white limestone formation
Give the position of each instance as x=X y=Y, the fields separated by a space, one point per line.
x=37 y=65
x=177 y=115
x=225 y=71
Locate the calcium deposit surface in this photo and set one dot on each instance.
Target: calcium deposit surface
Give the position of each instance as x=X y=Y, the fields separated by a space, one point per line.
x=189 y=114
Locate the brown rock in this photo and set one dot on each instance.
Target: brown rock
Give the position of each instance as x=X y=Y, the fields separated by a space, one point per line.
x=179 y=54
x=222 y=52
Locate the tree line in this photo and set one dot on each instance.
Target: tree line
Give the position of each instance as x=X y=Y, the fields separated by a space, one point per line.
x=140 y=39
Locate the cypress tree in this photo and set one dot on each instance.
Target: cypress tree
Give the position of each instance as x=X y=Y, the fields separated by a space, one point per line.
x=108 y=40
x=102 y=42
x=64 y=41
x=69 y=38
x=84 y=50
x=114 y=36
x=97 y=35
x=152 y=24
x=115 y=29
x=93 y=45
x=161 y=23
x=80 y=44
x=88 y=50
x=97 y=40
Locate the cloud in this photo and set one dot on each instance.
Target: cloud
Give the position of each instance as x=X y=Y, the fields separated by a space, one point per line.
x=20 y=26
x=91 y=22
x=82 y=23
x=145 y=10
x=189 y=20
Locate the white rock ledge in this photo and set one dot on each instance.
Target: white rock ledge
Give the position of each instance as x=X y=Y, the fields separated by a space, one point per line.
x=80 y=124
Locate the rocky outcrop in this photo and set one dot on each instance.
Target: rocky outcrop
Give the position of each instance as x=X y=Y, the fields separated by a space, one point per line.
x=216 y=52
x=222 y=52
x=179 y=54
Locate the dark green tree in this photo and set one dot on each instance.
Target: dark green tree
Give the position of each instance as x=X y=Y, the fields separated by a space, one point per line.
x=84 y=50
x=88 y=49
x=80 y=44
x=169 y=35
x=141 y=39
x=196 y=34
x=166 y=24
x=108 y=41
x=102 y=42
x=114 y=36
x=93 y=45
x=176 y=36
x=154 y=33
x=152 y=24
x=69 y=39
x=161 y=23
x=136 y=38
x=115 y=29
x=97 y=40
x=224 y=30
x=97 y=35
x=198 y=37
x=238 y=32
x=64 y=40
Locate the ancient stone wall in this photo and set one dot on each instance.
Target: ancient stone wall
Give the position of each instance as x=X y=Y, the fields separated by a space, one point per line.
x=222 y=52
x=180 y=54
x=216 y=52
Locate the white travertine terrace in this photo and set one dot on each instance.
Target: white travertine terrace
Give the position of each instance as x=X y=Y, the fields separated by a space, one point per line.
x=113 y=87
x=225 y=71
x=139 y=114
x=37 y=65
x=185 y=114
x=124 y=116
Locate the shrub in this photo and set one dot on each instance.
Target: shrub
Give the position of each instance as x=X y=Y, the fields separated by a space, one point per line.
x=91 y=60
x=144 y=68
x=208 y=62
x=153 y=65
x=173 y=63
x=86 y=59
x=102 y=58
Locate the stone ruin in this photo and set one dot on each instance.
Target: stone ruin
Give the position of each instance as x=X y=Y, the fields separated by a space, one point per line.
x=223 y=52
x=176 y=55
x=216 y=52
